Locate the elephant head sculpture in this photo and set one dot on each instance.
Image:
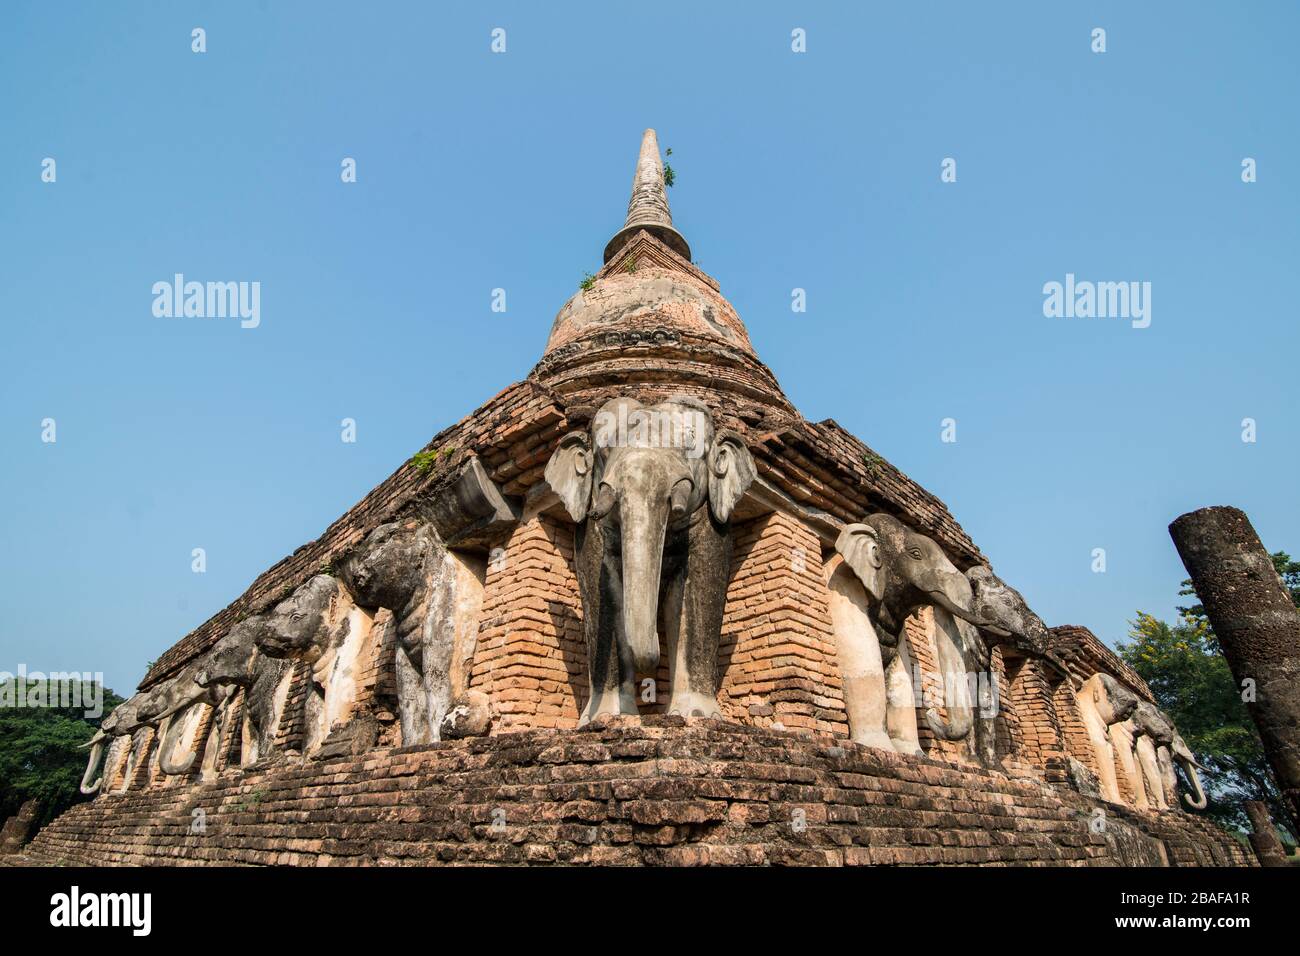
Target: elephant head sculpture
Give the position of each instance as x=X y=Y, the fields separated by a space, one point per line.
x=232 y=665
x=1166 y=747
x=211 y=680
x=320 y=625
x=1010 y=617
x=432 y=593
x=903 y=570
x=652 y=489
x=1103 y=702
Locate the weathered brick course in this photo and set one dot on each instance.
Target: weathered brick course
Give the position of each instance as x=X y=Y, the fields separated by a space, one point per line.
x=656 y=791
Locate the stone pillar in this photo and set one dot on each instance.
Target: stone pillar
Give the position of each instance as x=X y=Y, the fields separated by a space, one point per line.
x=13 y=837
x=1257 y=626
x=1263 y=837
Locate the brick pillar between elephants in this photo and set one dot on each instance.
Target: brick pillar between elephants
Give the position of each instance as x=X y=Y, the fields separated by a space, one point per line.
x=777 y=660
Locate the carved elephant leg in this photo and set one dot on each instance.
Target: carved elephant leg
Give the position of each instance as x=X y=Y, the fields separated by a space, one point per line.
x=1151 y=775
x=862 y=668
x=611 y=680
x=1121 y=738
x=1105 y=752
x=698 y=570
x=901 y=701
x=413 y=709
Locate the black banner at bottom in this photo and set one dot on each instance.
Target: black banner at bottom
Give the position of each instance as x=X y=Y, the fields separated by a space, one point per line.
x=187 y=904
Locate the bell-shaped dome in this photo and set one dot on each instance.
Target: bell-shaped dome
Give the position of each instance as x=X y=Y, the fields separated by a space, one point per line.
x=650 y=321
x=656 y=302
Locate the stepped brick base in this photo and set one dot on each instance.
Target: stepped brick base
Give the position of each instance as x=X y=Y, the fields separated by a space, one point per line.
x=655 y=790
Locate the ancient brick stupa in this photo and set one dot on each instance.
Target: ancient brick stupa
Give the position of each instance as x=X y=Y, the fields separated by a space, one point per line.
x=636 y=609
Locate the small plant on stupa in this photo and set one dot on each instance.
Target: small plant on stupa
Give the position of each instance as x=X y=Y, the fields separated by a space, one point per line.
x=424 y=460
x=588 y=280
x=670 y=175
x=873 y=463
x=630 y=268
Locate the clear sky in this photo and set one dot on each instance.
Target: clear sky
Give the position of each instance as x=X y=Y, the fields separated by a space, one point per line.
x=477 y=171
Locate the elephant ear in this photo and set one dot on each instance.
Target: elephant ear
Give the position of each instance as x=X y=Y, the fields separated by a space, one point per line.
x=569 y=473
x=859 y=545
x=731 y=471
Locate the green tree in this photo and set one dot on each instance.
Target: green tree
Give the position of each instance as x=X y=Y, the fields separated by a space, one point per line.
x=1190 y=680
x=41 y=747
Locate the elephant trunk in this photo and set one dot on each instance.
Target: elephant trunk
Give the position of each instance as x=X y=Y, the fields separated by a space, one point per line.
x=1183 y=755
x=644 y=523
x=168 y=746
x=642 y=559
x=952 y=594
x=958 y=605
x=957 y=727
x=92 y=764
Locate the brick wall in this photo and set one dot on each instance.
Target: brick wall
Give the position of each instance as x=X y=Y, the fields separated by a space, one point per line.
x=777 y=660
x=531 y=657
x=1031 y=698
x=655 y=791
x=1077 y=742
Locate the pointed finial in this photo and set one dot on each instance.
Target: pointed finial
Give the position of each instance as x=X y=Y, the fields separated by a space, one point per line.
x=648 y=208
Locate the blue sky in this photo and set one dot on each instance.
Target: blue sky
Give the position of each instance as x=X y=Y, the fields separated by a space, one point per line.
x=476 y=171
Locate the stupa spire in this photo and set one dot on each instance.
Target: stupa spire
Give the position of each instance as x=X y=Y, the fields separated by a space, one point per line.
x=648 y=207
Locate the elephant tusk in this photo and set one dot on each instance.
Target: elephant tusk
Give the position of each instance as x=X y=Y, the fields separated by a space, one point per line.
x=679 y=498
x=1197 y=800
x=604 y=501
x=92 y=763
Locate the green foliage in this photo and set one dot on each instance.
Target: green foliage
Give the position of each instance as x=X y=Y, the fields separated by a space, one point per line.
x=588 y=280
x=1192 y=683
x=424 y=460
x=630 y=268
x=254 y=798
x=873 y=464
x=41 y=755
x=670 y=176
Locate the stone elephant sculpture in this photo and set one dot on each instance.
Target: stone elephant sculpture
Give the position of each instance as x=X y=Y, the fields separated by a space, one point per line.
x=145 y=709
x=321 y=625
x=236 y=664
x=651 y=489
x=1158 y=745
x=1104 y=704
x=187 y=693
x=114 y=731
x=1010 y=619
x=901 y=570
x=432 y=596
